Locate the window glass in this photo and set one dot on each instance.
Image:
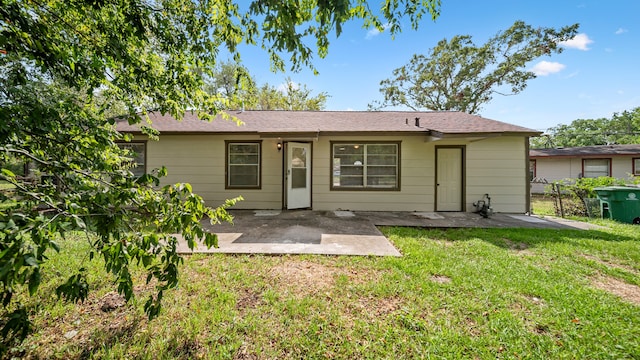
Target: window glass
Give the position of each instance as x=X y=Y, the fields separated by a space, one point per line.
x=298 y=168
x=243 y=164
x=358 y=165
x=636 y=167
x=136 y=157
x=594 y=168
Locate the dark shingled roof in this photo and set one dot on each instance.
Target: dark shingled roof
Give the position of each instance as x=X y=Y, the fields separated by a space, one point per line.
x=583 y=151
x=436 y=123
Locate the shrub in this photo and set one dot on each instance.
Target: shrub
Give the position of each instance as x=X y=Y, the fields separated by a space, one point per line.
x=572 y=196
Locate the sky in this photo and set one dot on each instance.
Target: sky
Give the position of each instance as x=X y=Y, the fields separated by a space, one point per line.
x=596 y=75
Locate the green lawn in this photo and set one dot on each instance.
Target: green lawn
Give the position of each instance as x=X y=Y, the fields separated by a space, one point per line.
x=486 y=294
x=542 y=205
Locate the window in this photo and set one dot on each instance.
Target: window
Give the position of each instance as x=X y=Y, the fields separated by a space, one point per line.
x=636 y=166
x=532 y=170
x=137 y=157
x=243 y=165
x=365 y=166
x=593 y=168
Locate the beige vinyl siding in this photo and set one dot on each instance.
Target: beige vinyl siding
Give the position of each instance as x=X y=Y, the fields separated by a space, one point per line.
x=622 y=166
x=495 y=166
x=498 y=167
x=555 y=169
x=552 y=169
x=416 y=178
x=200 y=161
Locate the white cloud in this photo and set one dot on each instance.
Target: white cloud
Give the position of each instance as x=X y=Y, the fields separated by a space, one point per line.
x=621 y=31
x=375 y=32
x=580 y=42
x=544 y=68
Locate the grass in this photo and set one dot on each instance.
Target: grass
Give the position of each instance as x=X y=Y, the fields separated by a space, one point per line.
x=482 y=293
x=542 y=205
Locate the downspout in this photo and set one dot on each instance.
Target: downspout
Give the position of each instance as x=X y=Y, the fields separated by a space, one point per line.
x=526 y=177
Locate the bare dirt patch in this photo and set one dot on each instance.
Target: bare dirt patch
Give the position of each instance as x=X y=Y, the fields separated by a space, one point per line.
x=445 y=243
x=512 y=245
x=248 y=299
x=441 y=279
x=244 y=353
x=369 y=307
x=305 y=277
x=377 y=307
x=111 y=301
x=628 y=292
x=98 y=322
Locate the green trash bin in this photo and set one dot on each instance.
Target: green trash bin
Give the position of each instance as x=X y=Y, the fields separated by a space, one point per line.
x=620 y=203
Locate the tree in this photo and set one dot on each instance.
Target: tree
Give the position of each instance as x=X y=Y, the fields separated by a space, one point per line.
x=622 y=128
x=298 y=97
x=233 y=83
x=292 y=96
x=147 y=55
x=237 y=89
x=458 y=75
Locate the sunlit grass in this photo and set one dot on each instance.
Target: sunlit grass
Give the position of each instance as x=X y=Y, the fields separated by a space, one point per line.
x=542 y=205
x=466 y=293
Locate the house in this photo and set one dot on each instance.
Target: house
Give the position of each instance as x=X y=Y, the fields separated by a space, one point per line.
x=349 y=160
x=619 y=161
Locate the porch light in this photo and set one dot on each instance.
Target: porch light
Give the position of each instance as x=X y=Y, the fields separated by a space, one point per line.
x=279 y=146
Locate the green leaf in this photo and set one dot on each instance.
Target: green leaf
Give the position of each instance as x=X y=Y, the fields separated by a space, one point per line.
x=8 y=173
x=30 y=260
x=34 y=281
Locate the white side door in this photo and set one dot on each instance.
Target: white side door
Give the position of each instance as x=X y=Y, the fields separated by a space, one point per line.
x=298 y=175
x=449 y=182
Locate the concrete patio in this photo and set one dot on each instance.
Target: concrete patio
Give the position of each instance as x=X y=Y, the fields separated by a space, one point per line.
x=346 y=232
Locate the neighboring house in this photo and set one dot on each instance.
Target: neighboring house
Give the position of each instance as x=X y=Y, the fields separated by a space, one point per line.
x=619 y=161
x=349 y=160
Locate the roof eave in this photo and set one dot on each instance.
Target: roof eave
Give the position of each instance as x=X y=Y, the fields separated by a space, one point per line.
x=485 y=134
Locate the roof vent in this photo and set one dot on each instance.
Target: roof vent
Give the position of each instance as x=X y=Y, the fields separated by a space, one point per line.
x=406 y=121
x=418 y=122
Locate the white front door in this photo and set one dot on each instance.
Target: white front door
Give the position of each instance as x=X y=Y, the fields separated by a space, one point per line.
x=298 y=175
x=449 y=182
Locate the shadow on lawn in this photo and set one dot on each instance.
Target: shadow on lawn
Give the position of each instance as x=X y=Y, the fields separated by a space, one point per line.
x=513 y=238
x=105 y=337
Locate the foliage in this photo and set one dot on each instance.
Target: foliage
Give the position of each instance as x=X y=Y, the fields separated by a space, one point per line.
x=458 y=75
x=621 y=128
x=237 y=89
x=573 y=195
x=293 y=97
x=13 y=164
x=233 y=83
x=64 y=68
